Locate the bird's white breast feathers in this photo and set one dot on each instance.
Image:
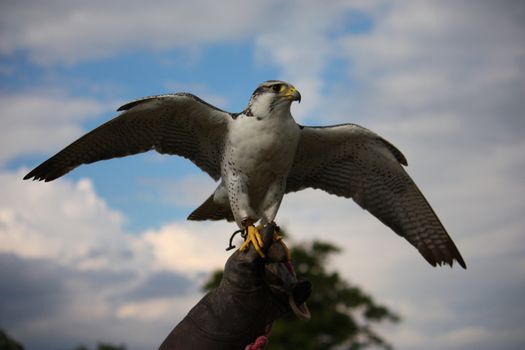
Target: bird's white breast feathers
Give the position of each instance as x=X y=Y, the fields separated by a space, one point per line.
x=263 y=144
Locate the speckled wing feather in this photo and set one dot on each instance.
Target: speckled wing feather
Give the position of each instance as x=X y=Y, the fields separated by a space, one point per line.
x=351 y=161
x=180 y=124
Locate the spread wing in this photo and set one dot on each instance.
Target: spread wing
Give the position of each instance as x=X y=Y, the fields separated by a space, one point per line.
x=180 y=124
x=353 y=162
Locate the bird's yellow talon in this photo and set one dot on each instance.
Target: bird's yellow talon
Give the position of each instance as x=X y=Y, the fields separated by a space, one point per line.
x=244 y=246
x=254 y=237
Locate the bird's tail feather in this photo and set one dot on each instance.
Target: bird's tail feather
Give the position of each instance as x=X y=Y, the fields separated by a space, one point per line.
x=210 y=210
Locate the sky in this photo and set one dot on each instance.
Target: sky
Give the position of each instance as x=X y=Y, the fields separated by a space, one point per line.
x=105 y=253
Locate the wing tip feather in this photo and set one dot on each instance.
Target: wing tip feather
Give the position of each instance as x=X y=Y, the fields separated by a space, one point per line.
x=440 y=257
x=46 y=172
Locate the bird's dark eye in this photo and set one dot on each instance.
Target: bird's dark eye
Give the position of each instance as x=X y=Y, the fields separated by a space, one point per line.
x=277 y=87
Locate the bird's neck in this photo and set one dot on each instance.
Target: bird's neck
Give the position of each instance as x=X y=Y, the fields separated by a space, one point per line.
x=263 y=108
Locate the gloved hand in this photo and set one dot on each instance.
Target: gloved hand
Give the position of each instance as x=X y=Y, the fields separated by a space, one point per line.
x=252 y=294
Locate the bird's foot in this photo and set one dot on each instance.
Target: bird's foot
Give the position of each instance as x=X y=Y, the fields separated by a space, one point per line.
x=252 y=235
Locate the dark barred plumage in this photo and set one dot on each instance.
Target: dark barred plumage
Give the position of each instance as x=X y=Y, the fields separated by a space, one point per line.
x=180 y=124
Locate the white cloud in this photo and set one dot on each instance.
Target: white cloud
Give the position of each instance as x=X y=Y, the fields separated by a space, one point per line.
x=80 y=230
x=201 y=90
x=62 y=242
x=155 y=309
x=294 y=36
x=301 y=46
x=71 y=229
x=68 y=32
x=40 y=122
x=424 y=56
x=189 y=247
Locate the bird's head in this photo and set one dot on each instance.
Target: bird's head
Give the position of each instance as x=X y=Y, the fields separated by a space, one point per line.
x=271 y=97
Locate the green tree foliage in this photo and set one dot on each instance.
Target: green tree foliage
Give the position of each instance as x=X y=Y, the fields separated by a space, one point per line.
x=343 y=315
x=8 y=343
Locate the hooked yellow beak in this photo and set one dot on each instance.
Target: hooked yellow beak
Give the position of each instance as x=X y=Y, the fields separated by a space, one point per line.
x=292 y=94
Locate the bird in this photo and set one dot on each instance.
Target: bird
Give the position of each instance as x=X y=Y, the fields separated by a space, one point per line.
x=259 y=155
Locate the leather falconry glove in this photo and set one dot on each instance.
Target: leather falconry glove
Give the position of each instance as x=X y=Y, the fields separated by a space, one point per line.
x=253 y=292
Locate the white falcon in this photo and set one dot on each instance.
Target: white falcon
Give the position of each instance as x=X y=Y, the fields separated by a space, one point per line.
x=262 y=153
